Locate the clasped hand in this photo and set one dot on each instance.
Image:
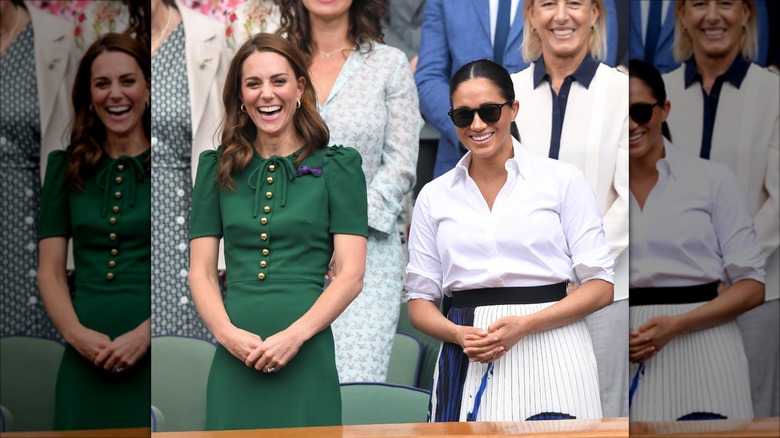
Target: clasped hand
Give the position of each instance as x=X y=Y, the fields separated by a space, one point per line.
x=273 y=353
x=119 y=354
x=487 y=346
x=651 y=337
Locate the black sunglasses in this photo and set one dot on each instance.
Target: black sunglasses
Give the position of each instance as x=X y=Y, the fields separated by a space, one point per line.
x=489 y=113
x=642 y=112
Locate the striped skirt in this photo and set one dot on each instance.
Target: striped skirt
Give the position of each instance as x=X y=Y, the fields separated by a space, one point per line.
x=698 y=375
x=547 y=375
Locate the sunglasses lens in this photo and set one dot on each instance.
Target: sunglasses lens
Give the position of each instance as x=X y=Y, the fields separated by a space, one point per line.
x=641 y=112
x=462 y=117
x=490 y=113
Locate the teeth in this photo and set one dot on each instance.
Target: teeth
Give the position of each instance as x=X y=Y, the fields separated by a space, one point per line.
x=270 y=109
x=636 y=136
x=482 y=137
x=562 y=32
x=118 y=109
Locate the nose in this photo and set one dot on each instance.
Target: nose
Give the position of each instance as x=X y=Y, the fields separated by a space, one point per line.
x=477 y=124
x=266 y=91
x=115 y=92
x=712 y=11
x=560 y=10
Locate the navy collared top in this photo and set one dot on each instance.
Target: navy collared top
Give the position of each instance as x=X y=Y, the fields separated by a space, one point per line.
x=584 y=75
x=735 y=74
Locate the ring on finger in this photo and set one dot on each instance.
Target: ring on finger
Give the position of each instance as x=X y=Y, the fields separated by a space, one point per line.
x=269 y=369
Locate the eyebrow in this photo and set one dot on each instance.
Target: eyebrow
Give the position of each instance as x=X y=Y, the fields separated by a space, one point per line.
x=124 y=76
x=275 y=76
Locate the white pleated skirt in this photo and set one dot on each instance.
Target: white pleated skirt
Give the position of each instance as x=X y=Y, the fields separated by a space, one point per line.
x=547 y=375
x=698 y=375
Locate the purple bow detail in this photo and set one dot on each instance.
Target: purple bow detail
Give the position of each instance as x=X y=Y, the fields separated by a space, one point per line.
x=314 y=170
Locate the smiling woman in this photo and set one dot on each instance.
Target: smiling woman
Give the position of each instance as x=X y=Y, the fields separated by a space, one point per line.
x=98 y=192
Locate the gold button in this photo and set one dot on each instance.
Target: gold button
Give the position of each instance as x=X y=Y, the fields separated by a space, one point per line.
x=114 y=251
x=112 y=221
x=264 y=221
x=270 y=180
x=115 y=209
x=118 y=195
x=272 y=167
x=111 y=264
x=120 y=168
x=269 y=195
x=267 y=209
x=112 y=236
x=263 y=264
x=264 y=236
x=266 y=252
x=261 y=276
x=118 y=180
x=110 y=276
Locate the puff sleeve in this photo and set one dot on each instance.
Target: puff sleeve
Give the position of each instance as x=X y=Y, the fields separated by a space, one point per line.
x=346 y=188
x=206 y=219
x=55 y=205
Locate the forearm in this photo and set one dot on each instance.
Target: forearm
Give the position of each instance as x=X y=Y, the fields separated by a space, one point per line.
x=581 y=302
x=333 y=301
x=730 y=303
x=426 y=317
x=53 y=286
x=208 y=301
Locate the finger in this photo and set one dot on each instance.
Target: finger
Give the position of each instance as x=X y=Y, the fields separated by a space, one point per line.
x=481 y=342
x=490 y=355
x=251 y=358
x=111 y=362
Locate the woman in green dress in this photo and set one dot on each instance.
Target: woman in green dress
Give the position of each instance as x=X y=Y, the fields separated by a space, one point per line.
x=284 y=203
x=97 y=192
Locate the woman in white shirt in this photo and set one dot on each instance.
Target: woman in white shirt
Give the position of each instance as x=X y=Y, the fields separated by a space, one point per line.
x=726 y=111
x=575 y=109
x=695 y=266
x=503 y=233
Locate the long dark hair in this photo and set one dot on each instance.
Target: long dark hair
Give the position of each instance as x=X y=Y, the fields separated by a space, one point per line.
x=238 y=130
x=88 y=133
x=652 y=78
x=365 y=24
x=495 y=73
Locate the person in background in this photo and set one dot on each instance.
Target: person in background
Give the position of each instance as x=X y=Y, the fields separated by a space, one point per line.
x=695 y=266
x=367 y=97
x=285 y=204
x=575 y=109
x=512 y=328
x=97 y=192
x=726 y=111
x=37 y=70
x=189 y=61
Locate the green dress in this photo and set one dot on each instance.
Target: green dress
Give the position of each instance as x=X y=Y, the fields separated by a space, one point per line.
x=110 y=223
x=278 y=226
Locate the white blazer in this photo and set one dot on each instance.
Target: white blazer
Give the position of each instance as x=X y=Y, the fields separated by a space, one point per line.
x=207 y=63
x=746 y=138
x=54 y=72
x=594 y=138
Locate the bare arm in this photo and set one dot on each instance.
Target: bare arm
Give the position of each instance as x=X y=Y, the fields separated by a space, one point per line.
x=350 y=265
x=53 y=285
x=204 y=285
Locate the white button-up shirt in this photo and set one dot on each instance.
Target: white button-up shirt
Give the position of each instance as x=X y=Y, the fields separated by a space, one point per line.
x=695 y=228
x=544 y=228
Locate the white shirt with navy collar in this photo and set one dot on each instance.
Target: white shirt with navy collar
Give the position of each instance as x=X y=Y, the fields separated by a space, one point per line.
x=544 y=228
x=695 y=227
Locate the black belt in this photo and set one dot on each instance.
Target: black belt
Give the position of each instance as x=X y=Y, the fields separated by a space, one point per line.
x=509 y=295
x=645 y=296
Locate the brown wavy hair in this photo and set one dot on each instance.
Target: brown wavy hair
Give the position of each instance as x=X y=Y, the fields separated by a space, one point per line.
x=365 y=24
x=88 y=133
x=238 y=130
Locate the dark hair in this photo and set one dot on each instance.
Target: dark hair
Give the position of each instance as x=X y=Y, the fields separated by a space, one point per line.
x=238 y=130
x=495 y=73
x=365 y=24
x=88 y=133
x=652 y=78
x=140 y=21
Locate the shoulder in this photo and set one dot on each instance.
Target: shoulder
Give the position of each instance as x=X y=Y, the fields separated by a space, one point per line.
x=384 y=55
x=210 y=158
x=763 y=77
x=55 y=26
x=342 y=156
x=197 y=22
x=59 y=157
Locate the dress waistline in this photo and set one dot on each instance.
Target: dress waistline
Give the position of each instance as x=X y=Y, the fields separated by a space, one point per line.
x=509 y=295
x=645 y=296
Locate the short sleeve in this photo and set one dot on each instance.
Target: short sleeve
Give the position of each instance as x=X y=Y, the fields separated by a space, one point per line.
x=55 y=206
x=206 y=219
x=346 y=185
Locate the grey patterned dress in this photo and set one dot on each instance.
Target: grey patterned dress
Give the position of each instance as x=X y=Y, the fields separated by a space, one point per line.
x=173 y=312
x=22 y=311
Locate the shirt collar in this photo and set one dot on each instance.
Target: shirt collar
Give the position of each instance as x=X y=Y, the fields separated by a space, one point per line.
x=584 y=73
x=735 y=74
x=518 y=164
x=670 y=162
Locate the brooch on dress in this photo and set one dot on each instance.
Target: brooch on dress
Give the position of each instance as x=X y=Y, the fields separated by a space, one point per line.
x=314 y=170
